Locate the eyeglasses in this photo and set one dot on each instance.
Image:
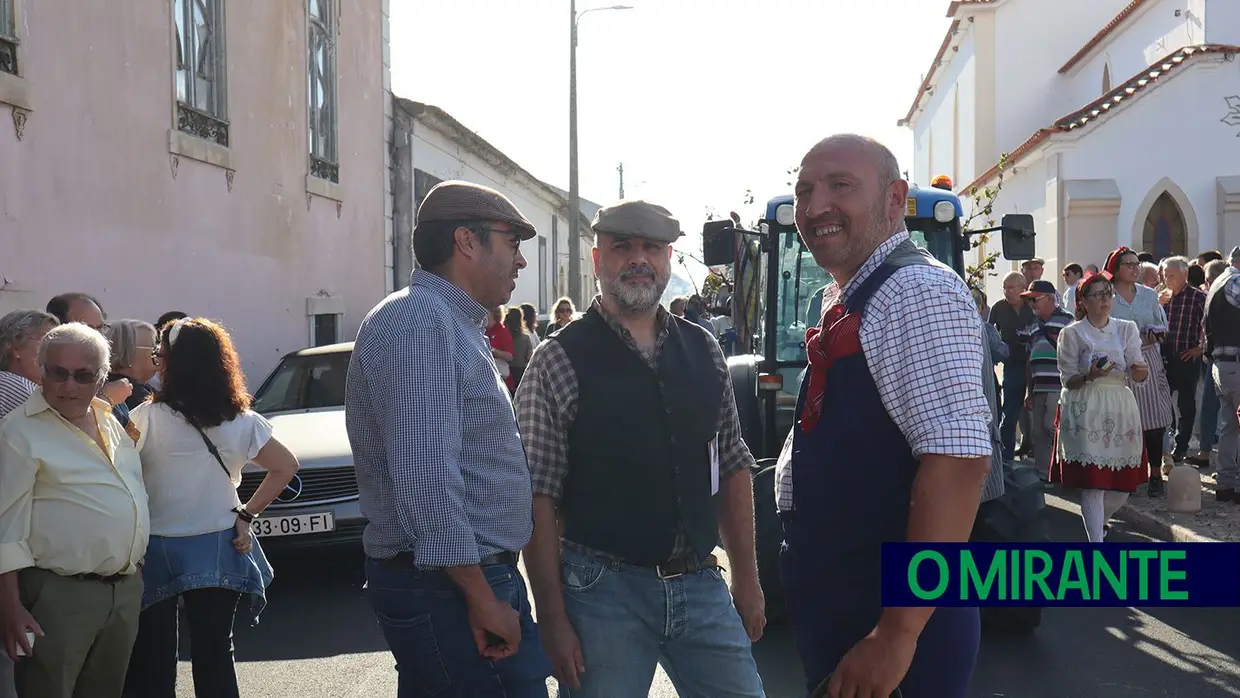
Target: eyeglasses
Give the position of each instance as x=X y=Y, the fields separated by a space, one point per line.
x=156 y=356
x=1130 y=265
x=57 y=374
x=1101 y=295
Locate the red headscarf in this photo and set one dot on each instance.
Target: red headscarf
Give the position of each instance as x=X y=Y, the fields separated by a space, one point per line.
x=1090 y=276
x=1112 y=264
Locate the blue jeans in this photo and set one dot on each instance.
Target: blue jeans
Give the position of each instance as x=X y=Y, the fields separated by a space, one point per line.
x=1013 y=405
x=1208 y=424
x=628 y=620
x=425 y=622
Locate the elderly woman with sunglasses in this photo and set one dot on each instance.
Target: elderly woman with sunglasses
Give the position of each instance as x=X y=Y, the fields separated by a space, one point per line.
x=1099 y=439
x=196 y=434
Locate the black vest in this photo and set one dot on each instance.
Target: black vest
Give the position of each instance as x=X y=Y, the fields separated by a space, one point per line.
x=1222 y=319
x=639 y=448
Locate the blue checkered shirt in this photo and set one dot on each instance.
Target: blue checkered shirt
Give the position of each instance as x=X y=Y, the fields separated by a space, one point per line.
x=440 y=465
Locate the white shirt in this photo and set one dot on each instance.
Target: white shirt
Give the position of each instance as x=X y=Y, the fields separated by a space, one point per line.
x=1080 y=343
x=188 y=491
x=922 y=338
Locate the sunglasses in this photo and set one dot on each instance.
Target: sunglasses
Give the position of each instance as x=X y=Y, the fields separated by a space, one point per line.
x=57 y=374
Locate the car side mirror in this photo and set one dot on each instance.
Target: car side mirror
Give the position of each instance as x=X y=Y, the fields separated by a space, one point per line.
x=1018 y=237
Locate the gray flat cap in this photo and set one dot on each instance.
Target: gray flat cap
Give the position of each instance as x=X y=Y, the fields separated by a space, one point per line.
x=465 y=201
x=637 y=218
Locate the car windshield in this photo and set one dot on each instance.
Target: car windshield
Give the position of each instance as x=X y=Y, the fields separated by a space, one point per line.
x=304 y=382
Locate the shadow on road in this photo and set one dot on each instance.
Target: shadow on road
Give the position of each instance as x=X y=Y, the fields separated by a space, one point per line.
x=316 y=607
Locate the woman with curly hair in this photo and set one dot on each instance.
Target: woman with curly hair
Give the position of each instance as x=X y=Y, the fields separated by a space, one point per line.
x=195 y=436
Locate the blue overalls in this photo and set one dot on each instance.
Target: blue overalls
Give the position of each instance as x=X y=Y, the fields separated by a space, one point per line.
x=852 y=478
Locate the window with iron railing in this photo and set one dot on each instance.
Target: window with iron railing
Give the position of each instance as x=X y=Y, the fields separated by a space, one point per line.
x=8 y=37
x=322 y=77
x=201 y=69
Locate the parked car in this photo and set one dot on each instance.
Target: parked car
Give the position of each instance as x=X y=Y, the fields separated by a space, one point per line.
x=303 y=398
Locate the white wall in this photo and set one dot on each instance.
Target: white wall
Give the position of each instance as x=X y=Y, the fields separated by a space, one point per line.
x=1023 y=191
x=1033 y=38
x=1193 y=155
x=1222 y=22
x=1152 y=33
x=943 y=133
x=439 y=156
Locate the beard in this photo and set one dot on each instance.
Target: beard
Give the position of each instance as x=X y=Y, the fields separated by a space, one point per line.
x=860 y=242
x=632 y=299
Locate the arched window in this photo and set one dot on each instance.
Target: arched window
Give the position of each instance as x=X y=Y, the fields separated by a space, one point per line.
x=1165 y=234
x=1106 y=78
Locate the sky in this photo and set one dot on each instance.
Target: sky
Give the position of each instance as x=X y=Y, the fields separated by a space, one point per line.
x=701 y=100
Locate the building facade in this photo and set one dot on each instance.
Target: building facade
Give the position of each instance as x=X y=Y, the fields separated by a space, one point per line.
x=218 y=157
x=1117 y=122
x=429 y=146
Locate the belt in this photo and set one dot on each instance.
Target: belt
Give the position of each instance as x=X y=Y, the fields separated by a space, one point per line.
x=405 y=559
x=92 y=577
x=688 y=564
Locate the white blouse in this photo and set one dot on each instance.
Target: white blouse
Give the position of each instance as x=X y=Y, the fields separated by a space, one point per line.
x=188 y=490
x=1080 y=344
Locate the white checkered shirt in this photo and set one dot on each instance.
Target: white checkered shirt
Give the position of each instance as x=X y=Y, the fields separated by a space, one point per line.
x=922 y=339
x=440 y=467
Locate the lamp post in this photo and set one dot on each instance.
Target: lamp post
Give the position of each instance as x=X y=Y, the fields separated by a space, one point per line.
x=574 y=196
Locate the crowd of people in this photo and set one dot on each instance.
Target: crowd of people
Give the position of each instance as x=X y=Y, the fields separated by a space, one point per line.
x=606 y=448
x=1110 y=383
x=113 y=514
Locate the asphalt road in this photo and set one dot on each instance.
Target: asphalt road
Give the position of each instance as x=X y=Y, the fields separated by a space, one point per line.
x=318 y=639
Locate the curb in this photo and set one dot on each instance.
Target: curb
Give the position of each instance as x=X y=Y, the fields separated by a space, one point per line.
x=1157 y=527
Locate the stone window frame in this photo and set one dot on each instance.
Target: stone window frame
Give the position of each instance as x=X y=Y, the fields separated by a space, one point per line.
x=14 y=88
x=324 y=305
x=201 y=131
x=323 y=144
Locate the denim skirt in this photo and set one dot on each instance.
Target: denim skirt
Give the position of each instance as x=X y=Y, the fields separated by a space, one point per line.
x=177 y=564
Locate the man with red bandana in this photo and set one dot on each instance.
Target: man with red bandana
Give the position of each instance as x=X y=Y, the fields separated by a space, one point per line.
x=893 y=440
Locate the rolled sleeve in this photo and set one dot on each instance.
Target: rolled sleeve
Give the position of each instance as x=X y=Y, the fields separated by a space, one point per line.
x=412 y=374
x=17 y=478
x=928 y=364
x=545 y=404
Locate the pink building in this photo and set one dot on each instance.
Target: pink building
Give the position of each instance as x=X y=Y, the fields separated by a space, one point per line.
x=221 y=157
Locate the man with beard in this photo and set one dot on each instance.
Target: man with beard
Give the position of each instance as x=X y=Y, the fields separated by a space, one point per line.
x=892 y=440
x=631 y=430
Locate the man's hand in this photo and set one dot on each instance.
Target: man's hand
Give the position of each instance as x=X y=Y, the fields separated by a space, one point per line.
x=16 y=623
x=496 y=626
x=117 y=391
x=1138 y=372
x=562 y=645
x=1191 y=354
x=874 y=667
x=1029 y=403
x=751 y=605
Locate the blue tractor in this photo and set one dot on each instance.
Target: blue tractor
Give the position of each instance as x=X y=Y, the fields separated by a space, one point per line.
x=776 y=294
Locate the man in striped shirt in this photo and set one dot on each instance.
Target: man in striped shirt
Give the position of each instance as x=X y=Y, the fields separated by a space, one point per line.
x=1042 y=399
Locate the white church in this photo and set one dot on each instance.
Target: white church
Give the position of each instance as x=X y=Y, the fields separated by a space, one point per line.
x=1120 y=120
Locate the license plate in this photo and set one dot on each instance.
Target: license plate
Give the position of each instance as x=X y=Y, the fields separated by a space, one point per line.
x=269 y=526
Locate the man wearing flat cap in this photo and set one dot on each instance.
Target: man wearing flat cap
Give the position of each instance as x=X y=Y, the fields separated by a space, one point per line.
x=440 y=467
x=631 y=430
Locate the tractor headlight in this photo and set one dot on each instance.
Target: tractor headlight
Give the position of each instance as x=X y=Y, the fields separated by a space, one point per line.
x=785 y=215
x=944 y=212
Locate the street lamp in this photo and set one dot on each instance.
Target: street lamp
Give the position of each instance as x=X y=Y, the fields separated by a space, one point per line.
x=574 y=197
